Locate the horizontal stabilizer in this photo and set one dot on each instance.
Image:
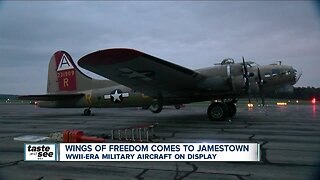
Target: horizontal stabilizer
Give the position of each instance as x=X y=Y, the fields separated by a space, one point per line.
x=51 y=97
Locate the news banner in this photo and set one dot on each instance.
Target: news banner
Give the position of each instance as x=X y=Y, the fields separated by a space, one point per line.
x=142 y=152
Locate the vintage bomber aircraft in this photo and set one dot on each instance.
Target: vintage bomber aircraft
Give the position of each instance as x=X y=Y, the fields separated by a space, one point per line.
x=139 y=79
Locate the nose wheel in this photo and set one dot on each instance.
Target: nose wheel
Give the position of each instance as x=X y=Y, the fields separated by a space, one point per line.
x=218 y=111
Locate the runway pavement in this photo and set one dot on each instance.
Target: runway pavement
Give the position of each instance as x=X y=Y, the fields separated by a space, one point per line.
x=289 y=137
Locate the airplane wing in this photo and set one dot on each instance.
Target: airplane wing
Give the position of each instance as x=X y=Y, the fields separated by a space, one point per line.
x=142 y=72
x=50 y=97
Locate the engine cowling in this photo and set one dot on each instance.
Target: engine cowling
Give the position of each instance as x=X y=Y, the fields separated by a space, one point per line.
x=224 y=77
x=235 y=75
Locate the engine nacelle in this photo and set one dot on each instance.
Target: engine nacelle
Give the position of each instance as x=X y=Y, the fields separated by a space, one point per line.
x=224 y=77
x=235 y=74
x=238 y=83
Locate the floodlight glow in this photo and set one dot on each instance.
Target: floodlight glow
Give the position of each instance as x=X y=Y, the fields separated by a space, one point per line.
x=250 y=105
x=281 y=103
x=313 y=101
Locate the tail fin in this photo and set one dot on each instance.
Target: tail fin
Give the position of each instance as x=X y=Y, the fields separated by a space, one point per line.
x=64 y=76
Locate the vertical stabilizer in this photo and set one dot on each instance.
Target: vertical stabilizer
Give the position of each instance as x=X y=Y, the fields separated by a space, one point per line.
x=64 y=76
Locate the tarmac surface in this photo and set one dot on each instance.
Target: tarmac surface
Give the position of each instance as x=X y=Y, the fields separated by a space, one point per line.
x=289 y=138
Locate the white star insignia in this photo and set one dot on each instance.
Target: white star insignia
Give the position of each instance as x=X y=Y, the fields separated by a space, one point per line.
x=116 y=96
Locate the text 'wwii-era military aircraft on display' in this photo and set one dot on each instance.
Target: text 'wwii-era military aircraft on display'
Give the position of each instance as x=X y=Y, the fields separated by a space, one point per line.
x=139 y=80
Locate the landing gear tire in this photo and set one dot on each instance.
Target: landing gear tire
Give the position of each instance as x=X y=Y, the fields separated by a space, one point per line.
x=232 y=109
x=156 y=107
x=217 y=111
x=87 y=112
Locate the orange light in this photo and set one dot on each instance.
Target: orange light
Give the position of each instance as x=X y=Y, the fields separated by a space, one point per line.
x=281 y=103
x=313 y=101
x=250 y=105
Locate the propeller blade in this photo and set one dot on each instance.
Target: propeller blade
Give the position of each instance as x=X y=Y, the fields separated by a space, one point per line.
x=246 y=76
x=259 y=76
x=249 y=97
x=244 y=67
x=260 y=85
x=262 y=98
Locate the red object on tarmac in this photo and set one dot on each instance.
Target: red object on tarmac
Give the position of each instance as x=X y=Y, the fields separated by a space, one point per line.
x=76 y=136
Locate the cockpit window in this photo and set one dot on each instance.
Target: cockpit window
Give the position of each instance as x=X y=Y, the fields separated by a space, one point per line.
x=251 y=64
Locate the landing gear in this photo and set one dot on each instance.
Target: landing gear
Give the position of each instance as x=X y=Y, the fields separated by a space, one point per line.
x=156 y=106
x=218 y=111
x=231 y=109
x=87 y=112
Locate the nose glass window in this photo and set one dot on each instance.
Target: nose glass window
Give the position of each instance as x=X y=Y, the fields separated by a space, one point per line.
x=287 y=72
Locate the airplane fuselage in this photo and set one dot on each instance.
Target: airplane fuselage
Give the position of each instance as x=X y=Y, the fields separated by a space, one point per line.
x=222 y=81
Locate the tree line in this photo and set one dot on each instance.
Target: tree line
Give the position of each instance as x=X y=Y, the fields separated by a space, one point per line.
x=304 y=93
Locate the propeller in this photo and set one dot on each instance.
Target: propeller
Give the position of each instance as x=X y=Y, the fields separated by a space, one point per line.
x=260 y=84
x=246 y=76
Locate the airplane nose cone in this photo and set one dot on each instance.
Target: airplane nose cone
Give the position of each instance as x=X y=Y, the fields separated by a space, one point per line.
x=297 y=74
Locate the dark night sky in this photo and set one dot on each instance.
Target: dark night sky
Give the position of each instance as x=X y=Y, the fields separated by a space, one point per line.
x=191 y=34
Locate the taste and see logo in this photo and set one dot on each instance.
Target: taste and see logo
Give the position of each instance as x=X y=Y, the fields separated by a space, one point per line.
x=40 y=152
